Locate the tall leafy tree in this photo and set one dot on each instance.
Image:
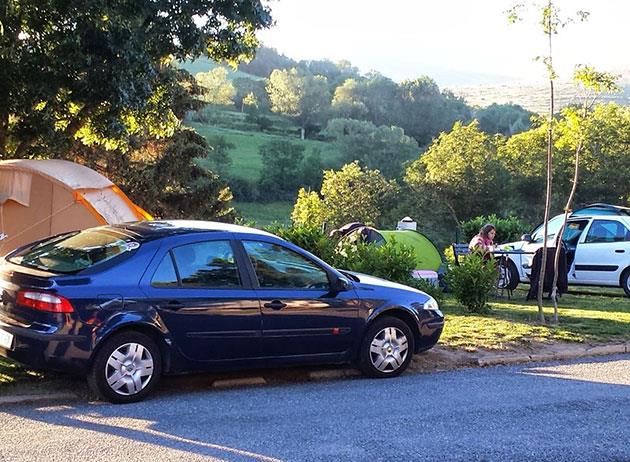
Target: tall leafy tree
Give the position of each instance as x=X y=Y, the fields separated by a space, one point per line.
x=218 y=88
x=280 y=175
x=352 y=193
x=304 y=97
x=90 y=70
x=504 y=119
x=383 y=148
x=348 y=100
x=460 y=170
x=382 y=99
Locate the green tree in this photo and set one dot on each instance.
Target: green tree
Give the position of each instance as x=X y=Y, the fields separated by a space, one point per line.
x=382 y=98
x=249 y=91
x=219 y=155
x=90 y=71
x=302 y=96
x=350 y=194
x=425 y=111
x=460 y=170
x=163 y=177
x=504 y=119
x=280 y=174
x=218 y=88
x=348 y=100
x=383 y=148
x=267 y=59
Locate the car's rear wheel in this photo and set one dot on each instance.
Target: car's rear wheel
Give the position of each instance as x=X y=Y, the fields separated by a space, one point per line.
x=625 y=281
x=126 y=368
x=387 y=348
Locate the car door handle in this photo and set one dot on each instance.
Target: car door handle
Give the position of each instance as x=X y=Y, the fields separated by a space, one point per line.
x=173 y=305
x=275 y=305
x=619 y=251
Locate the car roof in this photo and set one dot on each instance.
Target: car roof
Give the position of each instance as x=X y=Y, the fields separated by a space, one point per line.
x=600 y=209
x=149 y=230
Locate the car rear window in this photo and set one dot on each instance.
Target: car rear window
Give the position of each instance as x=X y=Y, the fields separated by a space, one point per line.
x=75 y=252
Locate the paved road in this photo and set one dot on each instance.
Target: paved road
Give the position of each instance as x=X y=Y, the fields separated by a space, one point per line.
x=571 y=411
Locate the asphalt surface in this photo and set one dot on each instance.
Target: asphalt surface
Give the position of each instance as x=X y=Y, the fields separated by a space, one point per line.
x=571 y=411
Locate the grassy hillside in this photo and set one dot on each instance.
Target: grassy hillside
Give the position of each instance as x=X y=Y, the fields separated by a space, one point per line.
x=206 y=64
x=246 y=161
x=265 y=214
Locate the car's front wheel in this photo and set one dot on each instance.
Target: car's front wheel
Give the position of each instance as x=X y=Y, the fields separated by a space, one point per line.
x=126 y=368
x=625 y=281
x=387 y=348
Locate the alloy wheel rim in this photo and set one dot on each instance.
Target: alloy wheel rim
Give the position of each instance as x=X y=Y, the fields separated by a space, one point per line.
x=389 y=349
x=129 y=369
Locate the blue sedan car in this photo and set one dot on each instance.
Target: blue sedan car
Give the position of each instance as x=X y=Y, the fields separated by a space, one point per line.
x=124 y=304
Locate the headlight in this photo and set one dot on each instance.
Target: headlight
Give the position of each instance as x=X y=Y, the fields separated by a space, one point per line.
x=431 y=305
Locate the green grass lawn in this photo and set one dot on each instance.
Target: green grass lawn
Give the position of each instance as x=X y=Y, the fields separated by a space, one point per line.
x=246 y=161
x=592 y=317
x=265 y=214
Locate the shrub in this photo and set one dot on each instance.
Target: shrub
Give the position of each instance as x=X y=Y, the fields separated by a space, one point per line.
x=310 y=238
x=473 y=281
x=508 y=229
x=389 y=260
x=243 y=190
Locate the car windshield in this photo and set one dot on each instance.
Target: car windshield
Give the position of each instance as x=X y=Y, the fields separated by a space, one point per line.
x=552 y=229
x=74 y=252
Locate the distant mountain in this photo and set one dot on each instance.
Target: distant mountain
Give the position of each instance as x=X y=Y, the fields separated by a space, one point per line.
x=535 y=97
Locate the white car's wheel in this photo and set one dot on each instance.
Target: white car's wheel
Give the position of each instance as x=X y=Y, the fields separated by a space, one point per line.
x=625 y=281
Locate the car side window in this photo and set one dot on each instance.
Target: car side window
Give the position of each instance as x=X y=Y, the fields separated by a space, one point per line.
x=208 y=264
x=573 y=231
x=165 y=275
x=280 y=268
x=606 y=231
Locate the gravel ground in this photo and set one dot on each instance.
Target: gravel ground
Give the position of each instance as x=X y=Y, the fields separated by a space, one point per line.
x=571 y=411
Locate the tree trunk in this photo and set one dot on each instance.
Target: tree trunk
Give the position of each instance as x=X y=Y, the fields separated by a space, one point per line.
x=541 y=280
x=302 y=133
x=567 y=210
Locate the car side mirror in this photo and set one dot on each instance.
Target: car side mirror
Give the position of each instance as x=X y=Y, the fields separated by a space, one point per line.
x=341 y=285
x=526 y=237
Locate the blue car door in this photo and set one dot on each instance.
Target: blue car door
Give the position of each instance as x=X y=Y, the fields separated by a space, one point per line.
x=300 y=314
x=209 y=308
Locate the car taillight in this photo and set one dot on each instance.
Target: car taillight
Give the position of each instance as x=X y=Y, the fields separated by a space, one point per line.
x=43 y=301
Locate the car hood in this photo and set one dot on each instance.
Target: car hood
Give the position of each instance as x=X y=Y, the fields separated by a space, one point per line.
x=367 y=282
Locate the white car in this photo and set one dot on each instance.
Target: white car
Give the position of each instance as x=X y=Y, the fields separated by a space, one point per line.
x=597 y=240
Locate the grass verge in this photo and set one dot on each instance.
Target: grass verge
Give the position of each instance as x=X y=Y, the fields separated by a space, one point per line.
x=591 y=317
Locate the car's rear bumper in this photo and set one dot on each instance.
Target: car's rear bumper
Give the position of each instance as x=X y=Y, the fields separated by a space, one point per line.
x=47 y=351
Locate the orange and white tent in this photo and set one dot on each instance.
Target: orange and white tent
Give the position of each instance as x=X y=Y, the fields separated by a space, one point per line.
x=40 y=198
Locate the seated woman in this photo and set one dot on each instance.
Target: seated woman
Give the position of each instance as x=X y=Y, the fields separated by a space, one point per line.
x=484 y=241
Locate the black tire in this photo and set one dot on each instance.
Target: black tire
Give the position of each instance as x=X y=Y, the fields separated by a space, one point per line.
x=625 y=281
x=128 y=380
x=390 y=360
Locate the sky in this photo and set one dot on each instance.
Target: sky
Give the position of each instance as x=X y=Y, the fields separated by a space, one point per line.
x=454 y=41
